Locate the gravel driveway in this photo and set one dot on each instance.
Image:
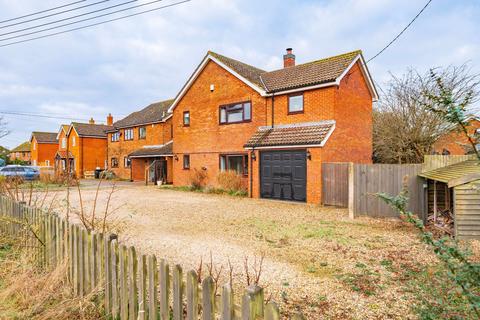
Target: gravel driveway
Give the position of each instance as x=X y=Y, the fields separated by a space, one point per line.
x=314 y=256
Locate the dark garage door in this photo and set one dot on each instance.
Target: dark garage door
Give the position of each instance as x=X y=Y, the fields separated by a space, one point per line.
x=283 y=175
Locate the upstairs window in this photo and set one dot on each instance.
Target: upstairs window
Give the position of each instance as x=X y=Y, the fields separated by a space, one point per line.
x=186 y=118
x=64 y=143
x=115 y=136
x=295 y=103
x=128 y=134
x=142 y=132
x=234 y=162
x=34 y=146
x=236 y=113
x=73 y=141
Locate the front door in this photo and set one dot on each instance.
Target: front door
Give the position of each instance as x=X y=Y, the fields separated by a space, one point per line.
x=283 y=175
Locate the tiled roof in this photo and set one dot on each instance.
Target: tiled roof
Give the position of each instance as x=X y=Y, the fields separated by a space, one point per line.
x=24 y=147
x=155 y=112
x=249 y=72
x=91 y=130
x=302 y=75
x=63 y=154
x=309 y=74
x=308 y=133
x=152 y=151
x=45 y=137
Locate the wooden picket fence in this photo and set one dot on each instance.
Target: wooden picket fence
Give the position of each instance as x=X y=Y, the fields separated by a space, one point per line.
x=135 y=286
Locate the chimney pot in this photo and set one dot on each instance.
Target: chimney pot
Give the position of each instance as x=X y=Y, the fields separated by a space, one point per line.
x=289 y=59
x=109 y=119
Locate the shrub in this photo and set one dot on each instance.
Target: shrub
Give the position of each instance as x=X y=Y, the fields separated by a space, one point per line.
x=231 y=182
x=197 y=179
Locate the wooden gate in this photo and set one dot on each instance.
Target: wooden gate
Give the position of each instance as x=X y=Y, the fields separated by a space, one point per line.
x=335 y=184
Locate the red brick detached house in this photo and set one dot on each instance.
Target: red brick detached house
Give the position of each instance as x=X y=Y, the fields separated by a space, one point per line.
x=273 y=128
x=140 y=145
x=455 y=142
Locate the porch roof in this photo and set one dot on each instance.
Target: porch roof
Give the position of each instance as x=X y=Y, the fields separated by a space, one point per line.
x=63 y=154
x=300 y=134
x=164 y=150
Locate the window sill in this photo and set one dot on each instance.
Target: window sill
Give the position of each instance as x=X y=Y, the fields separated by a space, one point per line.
x=295 y=112
x=237 y=122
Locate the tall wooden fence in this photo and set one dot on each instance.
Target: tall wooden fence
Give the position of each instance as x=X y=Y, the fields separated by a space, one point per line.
x=135 y=286
x=364 y=181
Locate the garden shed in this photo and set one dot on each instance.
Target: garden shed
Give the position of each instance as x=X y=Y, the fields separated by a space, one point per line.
x=453 y=198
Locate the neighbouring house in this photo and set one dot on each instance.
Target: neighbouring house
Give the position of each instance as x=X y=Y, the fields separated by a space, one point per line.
x=82 y=147
x=274 y=128
x=21 y=153
x=455 y=142
x=453 y=198
x=140 y=145
x=43 y=147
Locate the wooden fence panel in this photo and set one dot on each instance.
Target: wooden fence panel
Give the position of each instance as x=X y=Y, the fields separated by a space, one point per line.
x=131 y=283
x=335 y=184
x=432 y=162
x=370 y=179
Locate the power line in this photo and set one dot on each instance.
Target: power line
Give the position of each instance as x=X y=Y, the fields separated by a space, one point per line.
x=70 y=18
x=43 y=11
x=401 y=32
x=95 y=24
x=39 y=115
x=53 y=14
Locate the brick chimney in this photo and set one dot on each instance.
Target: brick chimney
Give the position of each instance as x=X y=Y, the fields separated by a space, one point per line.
x=109 y=119
x=289 y=59
x=91 y=121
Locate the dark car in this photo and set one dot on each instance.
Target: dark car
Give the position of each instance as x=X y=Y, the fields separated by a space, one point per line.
x=26 y=173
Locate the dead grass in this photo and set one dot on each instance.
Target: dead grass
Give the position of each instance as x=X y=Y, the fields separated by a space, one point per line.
x=27 y=293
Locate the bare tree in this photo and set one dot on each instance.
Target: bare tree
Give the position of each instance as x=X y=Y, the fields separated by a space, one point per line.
x=404 y=130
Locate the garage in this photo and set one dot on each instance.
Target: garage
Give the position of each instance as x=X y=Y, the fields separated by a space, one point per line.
x=283 y=175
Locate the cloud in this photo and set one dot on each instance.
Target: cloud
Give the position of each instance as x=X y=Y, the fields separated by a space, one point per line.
x=123 y=66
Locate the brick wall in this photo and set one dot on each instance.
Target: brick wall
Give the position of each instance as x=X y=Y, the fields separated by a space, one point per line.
x=350 y=104
x=43 y=152
x=157 y=134
x=205 y=139
x=456 y=142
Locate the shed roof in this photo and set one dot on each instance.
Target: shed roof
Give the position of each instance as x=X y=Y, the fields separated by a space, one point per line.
x=465 y=172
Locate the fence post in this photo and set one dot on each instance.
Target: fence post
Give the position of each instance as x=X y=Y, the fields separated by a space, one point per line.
x=192 y=295
x=152 y=288
x=132 y=277
x=122 y=275
x=142 y=287
x=257 y=297
x=208 y=299
x=272 y=312
x=248 y=308
x=107 y=274
x=114 y=282
x=227 y=303
x=164 y=290
x=351 y=190
x=177 y=293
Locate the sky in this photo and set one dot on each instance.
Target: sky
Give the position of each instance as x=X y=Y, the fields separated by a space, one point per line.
x=123 y=66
